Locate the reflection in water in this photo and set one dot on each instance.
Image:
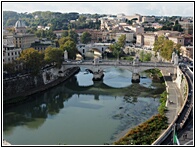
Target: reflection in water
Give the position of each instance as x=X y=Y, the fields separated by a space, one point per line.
x=79 y=111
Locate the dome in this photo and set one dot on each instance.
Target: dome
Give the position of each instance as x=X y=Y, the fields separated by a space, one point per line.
x=20 y=23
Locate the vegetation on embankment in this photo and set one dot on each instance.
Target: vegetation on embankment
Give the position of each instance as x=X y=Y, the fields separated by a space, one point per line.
x=147 y=132
x=155 y=74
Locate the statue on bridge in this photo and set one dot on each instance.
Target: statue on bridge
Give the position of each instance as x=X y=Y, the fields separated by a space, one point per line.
x=135 y=75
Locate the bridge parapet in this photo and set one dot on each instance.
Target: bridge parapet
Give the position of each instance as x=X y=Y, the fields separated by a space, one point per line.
x=124 y=64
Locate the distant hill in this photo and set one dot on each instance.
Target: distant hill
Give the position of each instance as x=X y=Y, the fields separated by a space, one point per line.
x=56 y=20
x=10 y=18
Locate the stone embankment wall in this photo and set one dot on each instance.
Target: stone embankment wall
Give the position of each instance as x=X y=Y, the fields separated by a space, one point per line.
x=181 y=83
x=20 y=84
x=16 y=88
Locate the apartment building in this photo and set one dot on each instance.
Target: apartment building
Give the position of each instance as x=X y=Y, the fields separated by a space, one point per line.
x=10 y=52
x=137 y=29
x=14 y=44
x=187 y=51
x=188 y=39
x=129 y=36
x=187 y=26
x=149 y=19
x=177 y=40
x=146 y=39
x=21 y=38
x=167 y=33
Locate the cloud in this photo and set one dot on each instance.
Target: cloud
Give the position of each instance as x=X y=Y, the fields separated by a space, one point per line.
x=128 y=8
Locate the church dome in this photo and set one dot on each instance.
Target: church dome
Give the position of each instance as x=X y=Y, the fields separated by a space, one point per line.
x=19 y=24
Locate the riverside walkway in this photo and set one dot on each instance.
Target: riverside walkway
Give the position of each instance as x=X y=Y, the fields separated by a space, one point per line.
x=174 y=100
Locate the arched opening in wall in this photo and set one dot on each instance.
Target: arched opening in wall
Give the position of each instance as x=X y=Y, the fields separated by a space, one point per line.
x=83 y=51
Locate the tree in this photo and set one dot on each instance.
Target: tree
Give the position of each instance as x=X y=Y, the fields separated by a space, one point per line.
x=85 y=38
x=122 y=40
x=54 y=55
x=158 y=44
x=73 y=35
x=145 y=56
x=9 y=67
x=65 y=33
x=177 y=27
x=32 y=60
x=70 y=46
x=62 y=40
x=164 y=47
x=116 y=50
x=167 y=50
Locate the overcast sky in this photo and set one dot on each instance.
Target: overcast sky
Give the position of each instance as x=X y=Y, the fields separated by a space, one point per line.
x=128 y=8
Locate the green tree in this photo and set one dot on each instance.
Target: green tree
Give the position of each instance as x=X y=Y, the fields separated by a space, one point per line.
x=158 y=44
x=165 y=47
x=32 y=60
x=145 y=56
x=177 y=27
x=54 y=55
x=167 y=50
x=116 y=50
x=9 y=67
x=85 y=38
x=73 y=35
x=62 y=40
x=70 y=46
x=122 y=41
x=65 y=33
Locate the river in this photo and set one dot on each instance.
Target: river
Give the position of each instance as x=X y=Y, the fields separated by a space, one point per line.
x=81 y=112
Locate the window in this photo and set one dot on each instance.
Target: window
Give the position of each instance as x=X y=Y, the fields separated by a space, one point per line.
x=8 y=54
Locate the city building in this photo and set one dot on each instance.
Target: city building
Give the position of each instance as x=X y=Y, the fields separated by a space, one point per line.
x=188 y=39
x=187 y=26
x=149 y=19
x=138 y=17
x=177 y=40
x=13 y=44
x=42 y=44
x=187 y=51
x=146 y=40
x=10 y=52
x=21 y=38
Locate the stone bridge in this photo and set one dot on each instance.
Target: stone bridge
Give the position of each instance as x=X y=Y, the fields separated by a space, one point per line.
x=135 y=68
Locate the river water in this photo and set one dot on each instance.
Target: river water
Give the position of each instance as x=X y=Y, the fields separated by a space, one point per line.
x=81 y=112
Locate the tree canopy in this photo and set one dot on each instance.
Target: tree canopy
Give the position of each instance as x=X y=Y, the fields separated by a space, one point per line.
x=85 y=38
x=116 y=50
x=70 y=46
x=71 y=34
x=32 y=60
x=54 y=55
x=165 y=47
x=122 y=41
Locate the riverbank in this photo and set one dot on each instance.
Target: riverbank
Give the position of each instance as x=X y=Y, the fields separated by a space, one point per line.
x=19 y=97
